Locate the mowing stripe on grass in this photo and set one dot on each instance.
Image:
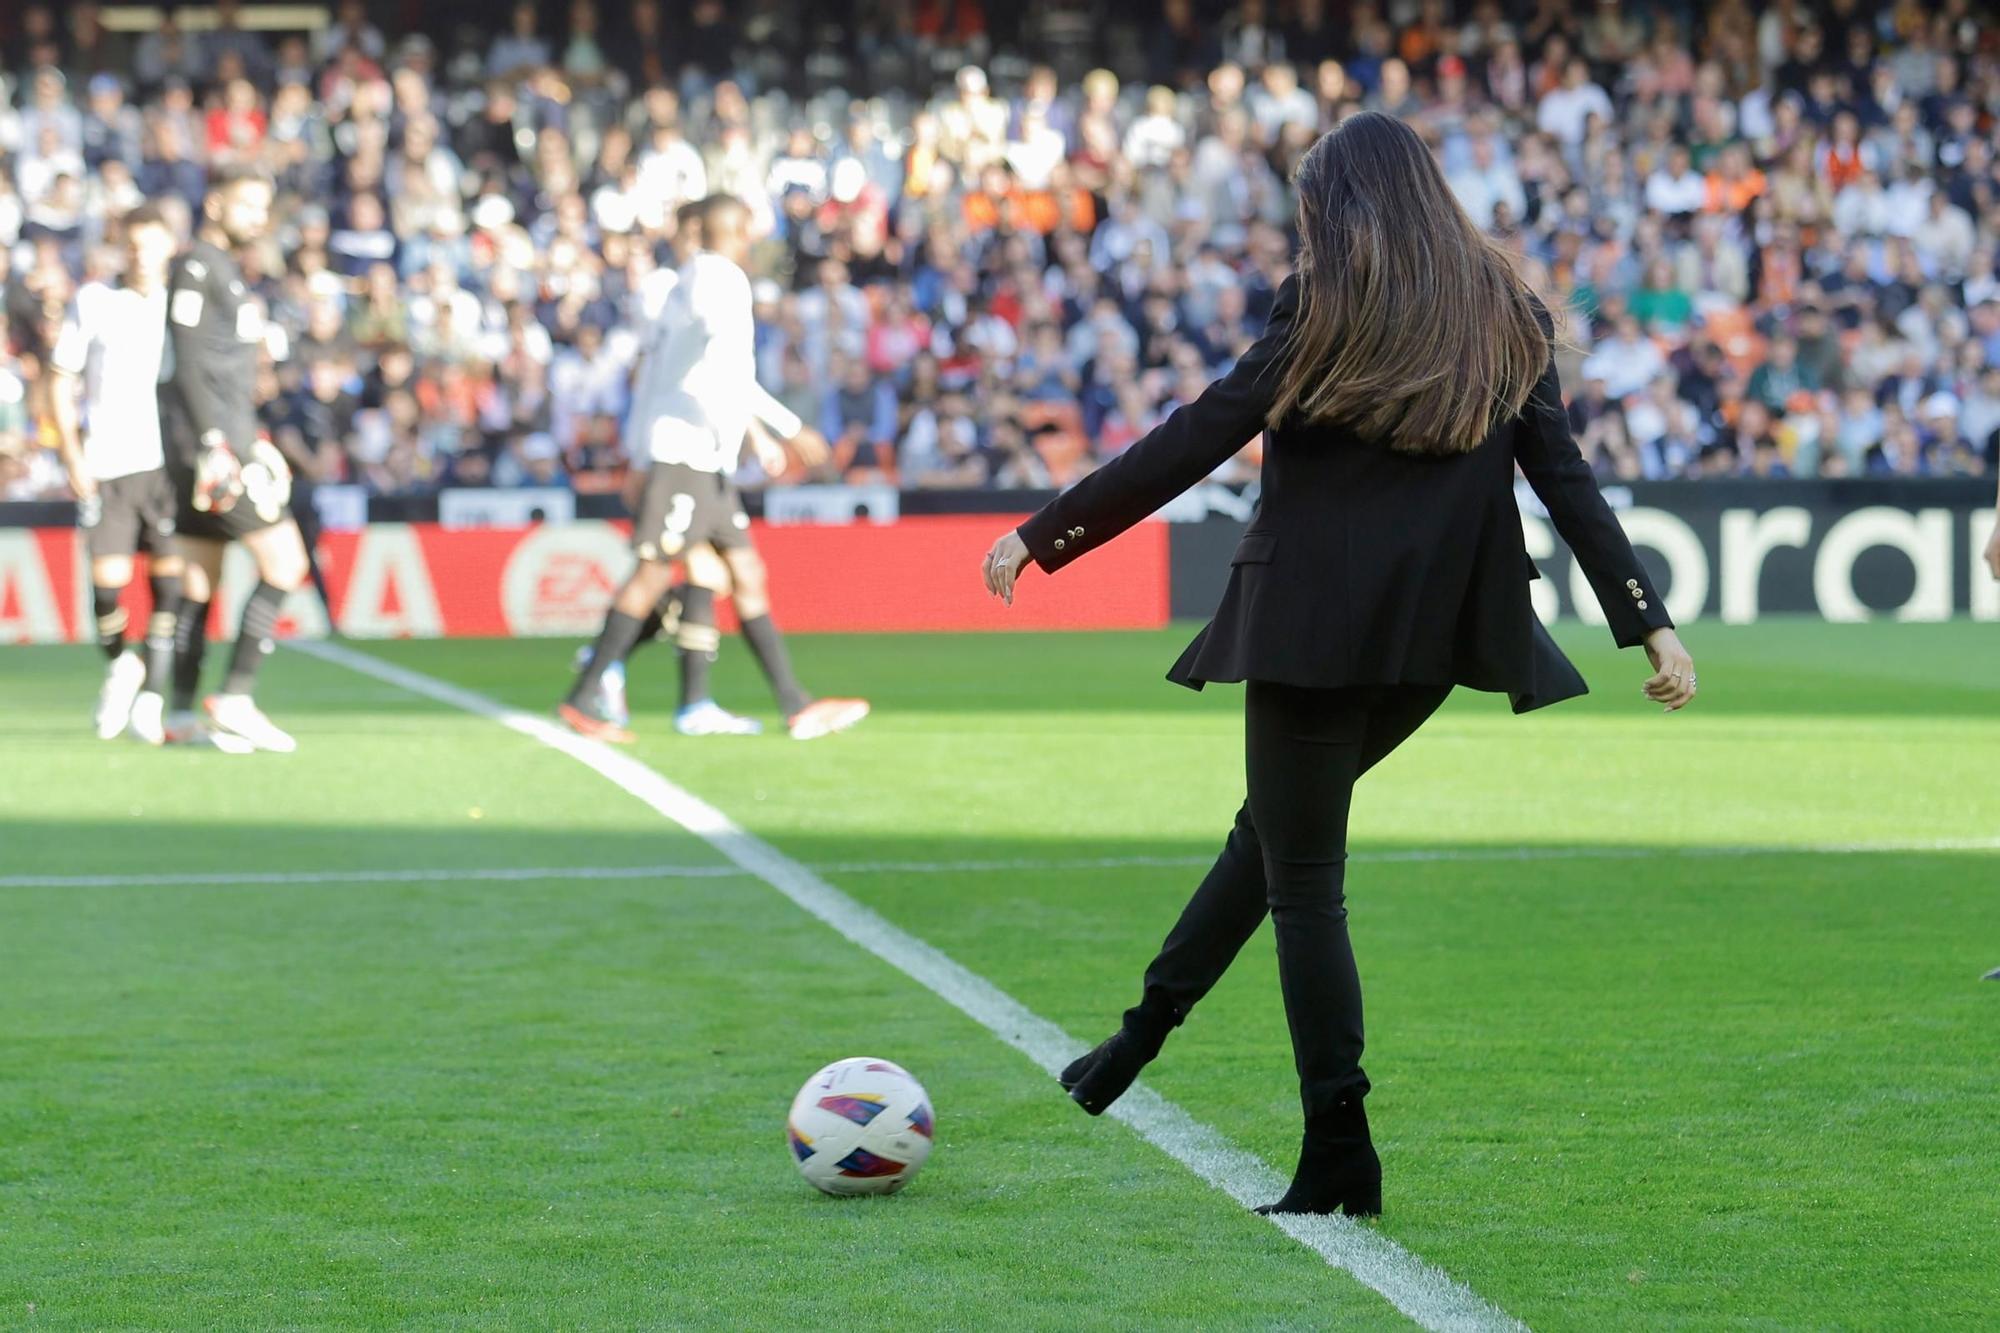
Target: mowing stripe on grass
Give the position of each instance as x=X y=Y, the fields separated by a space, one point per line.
x=1427 y=1295
x=283 y=878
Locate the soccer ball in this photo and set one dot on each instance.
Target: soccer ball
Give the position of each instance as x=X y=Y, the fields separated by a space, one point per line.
x=861 y=1126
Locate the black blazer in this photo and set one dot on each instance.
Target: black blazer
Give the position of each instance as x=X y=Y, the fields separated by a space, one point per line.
x=1363 y=565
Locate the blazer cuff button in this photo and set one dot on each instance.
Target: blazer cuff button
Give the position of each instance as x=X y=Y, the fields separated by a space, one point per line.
x=1060 y=543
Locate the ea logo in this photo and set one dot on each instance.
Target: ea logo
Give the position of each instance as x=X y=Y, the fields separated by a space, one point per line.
x=561 y=577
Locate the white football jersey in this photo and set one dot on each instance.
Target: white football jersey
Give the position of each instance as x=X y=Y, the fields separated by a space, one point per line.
x=697 y=389
x=114 y=338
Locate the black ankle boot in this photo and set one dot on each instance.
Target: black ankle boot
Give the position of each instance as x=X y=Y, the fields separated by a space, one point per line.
x=1338 y=1169
x=1100 y=1077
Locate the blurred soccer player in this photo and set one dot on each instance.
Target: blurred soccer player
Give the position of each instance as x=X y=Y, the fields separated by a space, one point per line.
x=696 y=401
x=609 y=701
x=231 y=485
x=112 y=341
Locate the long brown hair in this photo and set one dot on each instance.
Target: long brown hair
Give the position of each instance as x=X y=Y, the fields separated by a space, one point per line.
x=1413 y=327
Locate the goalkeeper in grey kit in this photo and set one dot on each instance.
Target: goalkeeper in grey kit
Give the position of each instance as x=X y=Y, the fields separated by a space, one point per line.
x=230 y=484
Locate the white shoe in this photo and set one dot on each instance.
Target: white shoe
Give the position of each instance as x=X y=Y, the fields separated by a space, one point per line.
x=122 y=680
x=709 y=718
x=823 y=717
x=148 y=721
x=239 y=715
x=184 y=728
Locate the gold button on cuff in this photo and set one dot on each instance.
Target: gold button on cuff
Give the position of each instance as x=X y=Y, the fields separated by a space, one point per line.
x=1631 y=583
x=1060 y=543
x=1642 y=605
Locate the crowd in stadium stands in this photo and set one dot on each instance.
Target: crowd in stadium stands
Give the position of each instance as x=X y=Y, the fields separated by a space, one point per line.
x=1772 y=229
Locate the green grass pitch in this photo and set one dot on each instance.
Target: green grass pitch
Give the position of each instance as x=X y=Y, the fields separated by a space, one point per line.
x=1709 y=1067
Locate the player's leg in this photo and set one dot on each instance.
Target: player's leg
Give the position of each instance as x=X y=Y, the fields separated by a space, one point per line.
x=163 y=574
x=663 y=622
x=663 y=516
x=201 y=574
x=111 y=525
x=610 y=702
x=806 y=718
x=585 y=707
x=306 y=514
x=280 y=554
x=751 y=581
x=124 y=672
x=109 y=576
x=699 y=639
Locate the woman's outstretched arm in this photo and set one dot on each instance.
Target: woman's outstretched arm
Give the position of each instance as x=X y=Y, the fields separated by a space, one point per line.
x=1554 y=467
x=1191 y=443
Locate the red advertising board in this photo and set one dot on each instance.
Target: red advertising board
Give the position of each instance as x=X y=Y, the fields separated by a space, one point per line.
x=421 y=580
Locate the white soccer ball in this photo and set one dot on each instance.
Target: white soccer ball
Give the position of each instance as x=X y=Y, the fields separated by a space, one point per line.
x=861 y=1126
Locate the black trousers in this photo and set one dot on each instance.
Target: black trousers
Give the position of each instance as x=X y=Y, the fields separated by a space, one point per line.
x=1303 y=751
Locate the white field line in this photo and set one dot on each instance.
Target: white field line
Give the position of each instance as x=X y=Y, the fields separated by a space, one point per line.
x=1427 y=1295
x=287 y=879
x=1027 y=865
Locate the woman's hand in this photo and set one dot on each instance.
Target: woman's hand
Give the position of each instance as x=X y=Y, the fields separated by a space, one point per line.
x=1003 y=564
x=1993 y=549
x=1672 y=682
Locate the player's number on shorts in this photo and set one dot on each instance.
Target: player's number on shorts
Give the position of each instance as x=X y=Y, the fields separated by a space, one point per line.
x=680 y=515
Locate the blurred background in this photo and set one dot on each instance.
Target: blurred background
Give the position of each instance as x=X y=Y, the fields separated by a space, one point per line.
x=998 y=244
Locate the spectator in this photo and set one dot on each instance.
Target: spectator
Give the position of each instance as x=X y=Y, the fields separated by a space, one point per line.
x=940 y=447
x=1779 y=377
x=1660 y=305
x=1566 y=111
x=364 y=240
x=520 y=48
x=111 y=129
x=1626 y=362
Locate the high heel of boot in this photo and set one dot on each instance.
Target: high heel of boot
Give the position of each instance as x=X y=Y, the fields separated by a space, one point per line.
x=1339 y=1171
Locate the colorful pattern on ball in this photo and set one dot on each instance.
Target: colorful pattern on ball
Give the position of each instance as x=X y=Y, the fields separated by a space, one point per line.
x=864 y=1165
x=860 y=1110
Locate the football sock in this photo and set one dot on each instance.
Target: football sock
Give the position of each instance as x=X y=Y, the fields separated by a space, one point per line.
x=111 y=619
x=160 y=632
x=190 y=645
x=769 y=646
x=253 y=637
x=664 y=619
x=698 y=640
x=615 y=640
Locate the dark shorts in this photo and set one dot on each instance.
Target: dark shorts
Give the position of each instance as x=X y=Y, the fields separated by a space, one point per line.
x=265 y=501
x=683 y=507
x=132 y=513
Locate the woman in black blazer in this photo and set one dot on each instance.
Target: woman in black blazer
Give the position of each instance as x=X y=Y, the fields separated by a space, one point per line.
x=1405 y=374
